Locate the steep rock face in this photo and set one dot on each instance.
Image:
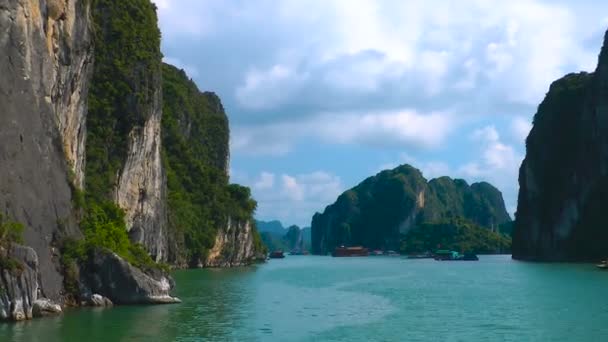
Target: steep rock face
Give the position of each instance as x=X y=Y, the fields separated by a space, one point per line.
x=564 y=177
x=45 y=64
x=233 y=246
x=19 y=286
x=124 y=120
x=210 y=219
x=377 y=212
x=141 y=187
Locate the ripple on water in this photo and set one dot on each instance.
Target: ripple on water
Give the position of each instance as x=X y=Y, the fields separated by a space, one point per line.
x=333 y=307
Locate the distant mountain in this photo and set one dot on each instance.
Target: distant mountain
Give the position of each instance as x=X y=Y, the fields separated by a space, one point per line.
x=274 y=227
x=276 y=236
x=379 y=211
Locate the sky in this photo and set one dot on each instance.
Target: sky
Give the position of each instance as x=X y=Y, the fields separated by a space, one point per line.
x=322 y=94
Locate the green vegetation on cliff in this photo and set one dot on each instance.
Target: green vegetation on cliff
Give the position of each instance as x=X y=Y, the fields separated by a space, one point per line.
x=121 y=93
x=455 y=234
x=10 y=232
x=381 y=209
x=195 y=153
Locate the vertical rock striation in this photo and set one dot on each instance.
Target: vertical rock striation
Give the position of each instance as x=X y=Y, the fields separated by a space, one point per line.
x=19 y=285
x=233 y=246
x=564 y=177
x=45 y=66
x=141 y=186
x=124 y=124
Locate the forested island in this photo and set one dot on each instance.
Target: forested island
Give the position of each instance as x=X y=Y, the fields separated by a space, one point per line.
x=400 y=210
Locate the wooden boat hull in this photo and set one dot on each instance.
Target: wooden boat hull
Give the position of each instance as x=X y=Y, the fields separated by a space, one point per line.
x=342 y=252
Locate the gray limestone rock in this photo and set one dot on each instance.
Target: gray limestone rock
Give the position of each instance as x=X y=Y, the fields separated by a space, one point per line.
x=111 y=276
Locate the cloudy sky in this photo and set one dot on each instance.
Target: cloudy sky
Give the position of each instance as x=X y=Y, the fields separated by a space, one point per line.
x=322 y=94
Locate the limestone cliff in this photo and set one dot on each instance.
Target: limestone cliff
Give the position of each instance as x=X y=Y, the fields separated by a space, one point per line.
x=210 y=219
x=234 y=246
x=86 y=165
x=564 y=177
x=45 y=64
x=19 y=284
x=381 y=209
x=141 y=186
x=125 y=110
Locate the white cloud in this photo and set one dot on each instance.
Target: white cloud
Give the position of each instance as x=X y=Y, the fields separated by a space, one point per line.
x=403 y=128
x=292 y=189
x=265 y=181
x=486 y=134
x=498 y=164
x=191 y=70
x=380 y=47
x=295 y=198
x=430 y=169
x=520 y=128
x=268 y=88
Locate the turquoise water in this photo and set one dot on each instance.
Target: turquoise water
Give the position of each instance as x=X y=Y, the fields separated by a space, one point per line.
x=303 y=298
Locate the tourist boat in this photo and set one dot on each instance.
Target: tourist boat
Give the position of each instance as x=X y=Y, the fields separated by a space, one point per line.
x=446 y=255
x=603 y=265
x=391 y=253
x=357 y=251
x=298 y=252
x=376 y=252
x=277 y=255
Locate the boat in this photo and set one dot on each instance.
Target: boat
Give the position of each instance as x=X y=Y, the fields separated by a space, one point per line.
x=446 y=255
x=298 y=252
x=391 y=253
x=278 y=254
x=376 y=252
x=603 y=265
x=356 y=251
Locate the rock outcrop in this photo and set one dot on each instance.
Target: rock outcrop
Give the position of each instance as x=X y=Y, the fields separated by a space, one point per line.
x=19 y=288
x=108 y=275
x=378 y=211
x=99 y=300
x=564 y=177
x=43 y=307
x=18 y=283
x=233 y=246
x=45 y=65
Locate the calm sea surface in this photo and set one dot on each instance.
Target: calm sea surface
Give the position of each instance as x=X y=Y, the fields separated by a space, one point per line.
x=306 y=298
